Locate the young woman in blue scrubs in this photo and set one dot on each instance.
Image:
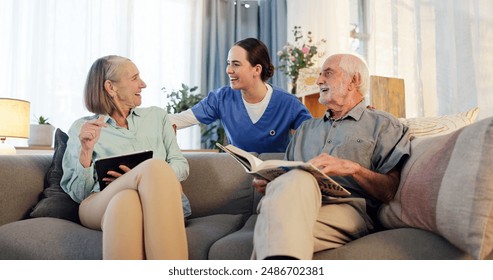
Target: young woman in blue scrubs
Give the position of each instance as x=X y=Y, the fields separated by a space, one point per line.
x=257 y=117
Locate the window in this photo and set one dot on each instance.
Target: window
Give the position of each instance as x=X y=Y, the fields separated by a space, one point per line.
x=48 y=46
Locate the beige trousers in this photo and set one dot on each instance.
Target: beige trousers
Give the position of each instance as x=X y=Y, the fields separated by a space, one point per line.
x=140 y=214
x=292 y=221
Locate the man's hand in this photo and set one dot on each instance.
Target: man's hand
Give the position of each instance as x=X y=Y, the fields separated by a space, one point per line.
x=259 y=184
x=333 y=166
x=381 y=186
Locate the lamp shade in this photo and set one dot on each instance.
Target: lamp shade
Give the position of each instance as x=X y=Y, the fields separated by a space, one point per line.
x=14 y=118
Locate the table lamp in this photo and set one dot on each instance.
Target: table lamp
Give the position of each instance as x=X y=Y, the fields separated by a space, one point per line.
x=14 y=122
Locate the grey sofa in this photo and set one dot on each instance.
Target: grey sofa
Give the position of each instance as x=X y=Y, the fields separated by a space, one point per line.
x=221 y=226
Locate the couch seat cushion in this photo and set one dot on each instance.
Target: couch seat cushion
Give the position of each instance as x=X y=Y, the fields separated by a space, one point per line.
x=49 y=239
x=235 y=246
x=396 y=244
x=204 y=231
x=58 y=239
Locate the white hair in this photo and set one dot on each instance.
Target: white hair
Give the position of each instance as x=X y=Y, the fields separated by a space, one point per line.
x=354 y=65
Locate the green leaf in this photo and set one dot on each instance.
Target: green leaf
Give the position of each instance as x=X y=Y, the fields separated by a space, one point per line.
x=182 y=99
x=41 y=120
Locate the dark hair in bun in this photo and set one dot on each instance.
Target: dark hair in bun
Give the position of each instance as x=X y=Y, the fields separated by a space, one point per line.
x=257 y=53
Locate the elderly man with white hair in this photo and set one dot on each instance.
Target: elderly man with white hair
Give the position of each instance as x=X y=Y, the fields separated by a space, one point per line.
x=361 y=148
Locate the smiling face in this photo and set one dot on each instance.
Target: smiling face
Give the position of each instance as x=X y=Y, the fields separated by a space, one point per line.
x=342 y=80
x=339 y=91
x=333 y=83
x=126 y=90
x=242 y=75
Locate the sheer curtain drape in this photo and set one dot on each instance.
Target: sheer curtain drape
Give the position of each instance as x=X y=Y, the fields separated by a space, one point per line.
x=442 y=49
x=48 y=46
x=325 y=19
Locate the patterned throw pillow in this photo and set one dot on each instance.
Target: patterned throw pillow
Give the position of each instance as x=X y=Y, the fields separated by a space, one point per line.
x=55 y=202
x=434 y=126
x=447 y=187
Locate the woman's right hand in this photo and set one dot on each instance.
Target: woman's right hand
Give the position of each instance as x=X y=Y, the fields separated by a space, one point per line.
x=113 y=175
x=89 y=136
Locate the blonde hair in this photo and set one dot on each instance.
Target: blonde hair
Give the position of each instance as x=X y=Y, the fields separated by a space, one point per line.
x=96 y=98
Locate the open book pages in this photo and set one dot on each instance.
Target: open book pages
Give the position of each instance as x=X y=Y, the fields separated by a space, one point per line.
x=270 y=169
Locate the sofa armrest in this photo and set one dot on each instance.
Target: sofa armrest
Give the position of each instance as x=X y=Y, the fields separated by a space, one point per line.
x=21 y=183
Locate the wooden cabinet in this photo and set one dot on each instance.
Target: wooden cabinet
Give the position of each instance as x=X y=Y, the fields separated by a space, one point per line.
x=386 y=94
x=310 y=100
x=307 y=91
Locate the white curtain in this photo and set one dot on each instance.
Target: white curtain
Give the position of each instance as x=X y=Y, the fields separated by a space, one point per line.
x=442 y=49
x=325 y=19
x=48 y=46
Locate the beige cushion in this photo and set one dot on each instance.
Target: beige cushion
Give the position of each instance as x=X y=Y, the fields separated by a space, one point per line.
x=434 y=126
x=447 y=187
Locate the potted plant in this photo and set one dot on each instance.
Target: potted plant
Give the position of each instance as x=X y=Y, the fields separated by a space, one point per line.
x=186 y=98
x=183 y=99
x=41 y=133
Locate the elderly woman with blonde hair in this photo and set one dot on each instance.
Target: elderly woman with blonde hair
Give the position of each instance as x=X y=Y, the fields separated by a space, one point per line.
x=141 y=210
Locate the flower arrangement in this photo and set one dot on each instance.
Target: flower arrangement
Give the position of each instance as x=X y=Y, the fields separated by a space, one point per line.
x=302 y=54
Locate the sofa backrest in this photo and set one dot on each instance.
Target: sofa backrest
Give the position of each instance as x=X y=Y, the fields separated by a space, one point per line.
x=217 y=184
x=265 y=156
x=21 y=183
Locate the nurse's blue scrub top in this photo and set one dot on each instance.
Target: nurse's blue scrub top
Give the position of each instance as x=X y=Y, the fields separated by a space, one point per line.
x=270 y=134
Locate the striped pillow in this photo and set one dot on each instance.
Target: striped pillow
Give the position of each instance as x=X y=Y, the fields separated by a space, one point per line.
x=434 y=126
x=447 y=187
